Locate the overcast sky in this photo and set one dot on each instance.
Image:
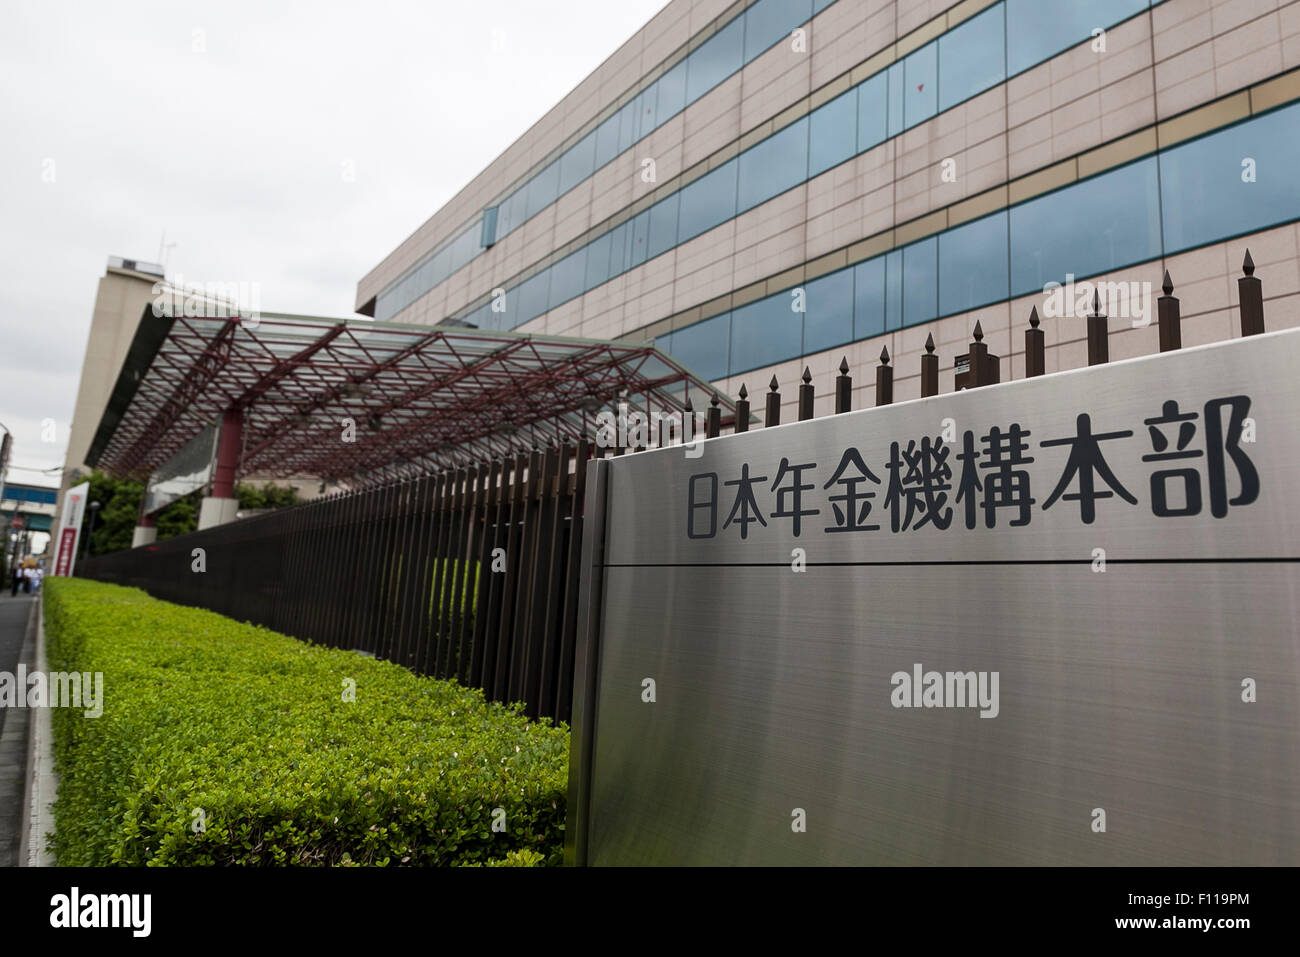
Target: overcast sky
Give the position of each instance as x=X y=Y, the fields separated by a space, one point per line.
x=227 y=125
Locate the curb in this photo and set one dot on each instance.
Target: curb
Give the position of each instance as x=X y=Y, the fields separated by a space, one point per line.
x=42 y=785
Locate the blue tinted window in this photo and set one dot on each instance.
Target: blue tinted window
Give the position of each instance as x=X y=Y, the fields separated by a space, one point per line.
x=672 y=92
x=715 y=60
x=568 y=277
x=702 y=348
x=577 y=163
x=920 y=282
x=489 y=234
x=828 y=312
x=1037 y=31
x=869 y=298
x=972 y=58
x=646 y=103
x=820 y=5
x=897 y=86
x=921 y=85
x=774 y=165
x=1086 y=229
x=620 y=252
x=513 y=212
x=873 y=111
x=598 y=261
x=708 y=202
x=770 y=20
x=765 y=332
x=531 y=295
x=607 y=140
x=834 y=133
x=639 y=239
x=894 y=290
x=1204 y=196
x=629 y=128
x=663 y=225
x=973 y=265
x=541 y=190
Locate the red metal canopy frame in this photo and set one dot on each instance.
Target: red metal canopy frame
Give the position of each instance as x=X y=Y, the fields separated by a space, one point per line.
x=414 y=397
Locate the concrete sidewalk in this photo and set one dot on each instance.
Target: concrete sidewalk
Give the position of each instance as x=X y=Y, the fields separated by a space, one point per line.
x=17 y=644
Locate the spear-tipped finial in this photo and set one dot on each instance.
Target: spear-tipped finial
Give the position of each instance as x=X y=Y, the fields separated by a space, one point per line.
x=773 y=384
x=979 y=332
x=1168 y=284
x=1033 y=316
x=844 y=365
x=1248 y=264
x=715 y=401
x=884 y=355
x=1096 y=302
x=807 y=375
x=744 y=393
x=929 y=343
x=689 y=407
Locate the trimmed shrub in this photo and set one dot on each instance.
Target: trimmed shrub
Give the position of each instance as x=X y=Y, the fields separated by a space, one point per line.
x=224 y=743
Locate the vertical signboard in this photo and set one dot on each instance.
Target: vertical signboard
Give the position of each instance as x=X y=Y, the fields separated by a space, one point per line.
x=1052 y=621
x=69 y=531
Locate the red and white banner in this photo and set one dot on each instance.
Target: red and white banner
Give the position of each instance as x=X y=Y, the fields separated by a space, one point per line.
x=74 y=507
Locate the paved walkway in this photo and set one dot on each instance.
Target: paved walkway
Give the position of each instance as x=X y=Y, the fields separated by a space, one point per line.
x=17 y=643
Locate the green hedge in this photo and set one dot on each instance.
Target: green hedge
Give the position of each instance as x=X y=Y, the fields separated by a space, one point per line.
x=203 y=712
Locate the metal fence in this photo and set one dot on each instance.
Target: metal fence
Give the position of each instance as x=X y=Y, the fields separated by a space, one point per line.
x=468 y=574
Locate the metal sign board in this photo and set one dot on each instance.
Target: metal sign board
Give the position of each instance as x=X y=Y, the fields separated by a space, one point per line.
x=1052 y=621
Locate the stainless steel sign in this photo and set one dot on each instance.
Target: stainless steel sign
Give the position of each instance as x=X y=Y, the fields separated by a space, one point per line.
x=1046 y=622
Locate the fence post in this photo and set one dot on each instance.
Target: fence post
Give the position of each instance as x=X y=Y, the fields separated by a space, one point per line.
x=1035 y=355
x=978 y=354
x=806 y=396
x=1251 y=292
x=742 y=410
x=713 y=425
x=1098 y=344
x=884 y=379
x=688 y=423
x=843 y=388
x=929 y=369
x=772 y=414
x=1171 y=333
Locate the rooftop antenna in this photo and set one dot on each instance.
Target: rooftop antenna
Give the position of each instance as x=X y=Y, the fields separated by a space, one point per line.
x=164 y=250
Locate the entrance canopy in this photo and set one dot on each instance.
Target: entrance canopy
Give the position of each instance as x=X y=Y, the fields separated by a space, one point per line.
x=366 y=401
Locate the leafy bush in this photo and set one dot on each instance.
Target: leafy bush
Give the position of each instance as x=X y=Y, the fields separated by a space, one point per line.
x=250 y=729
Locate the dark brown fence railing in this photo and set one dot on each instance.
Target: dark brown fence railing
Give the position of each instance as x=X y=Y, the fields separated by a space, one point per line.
x=469 y=574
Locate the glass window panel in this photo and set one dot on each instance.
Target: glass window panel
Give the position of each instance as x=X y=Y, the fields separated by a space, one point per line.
x=639 y=239
x=489 y=234
x=894 y=290
x=607 y=140
x=598 y=261
x=774 y=165
x=531 y=295
x=765 y=332
x=1037 y=31
x=873 y=111
x=702 y=348
x=672 y=92
x=897 y=84
x=645 y=105
x=920 y=282
x=1092 y=227
x=567 y=277
x=508 y=317
x=828 y=312
x=629 y=130
x=972 y=58
x=1204 y=196
x=715 y=60
x=542 y=187
x=513 y=212
x=578 y=163
x=869 y=298
x=834 y=133
x=973 y=265
x=708 y=202
x=921 y=86
x=768 y=21
x=664 y=343
x=620 y=255
x=663 y=225
x=441 y=265
x=820 y=5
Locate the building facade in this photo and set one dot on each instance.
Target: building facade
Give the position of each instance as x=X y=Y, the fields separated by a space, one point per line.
x=760 y=187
